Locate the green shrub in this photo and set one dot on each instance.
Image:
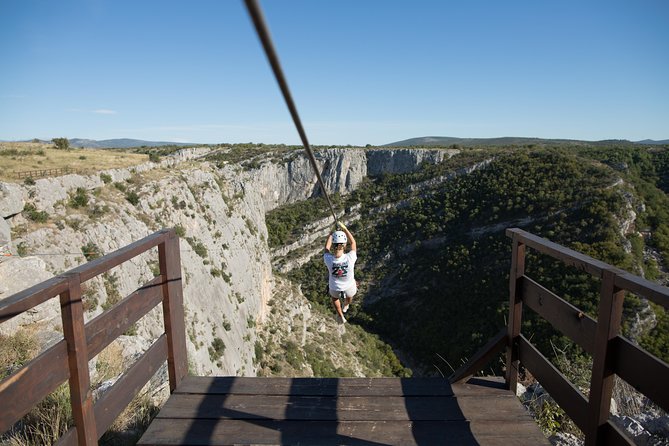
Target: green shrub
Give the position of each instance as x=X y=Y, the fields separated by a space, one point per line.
x=180 y=230
x=249 y=225
x=61 y=143
x=293 y=355
x=33 y=214
x=321 y=364
x=259 y=352
x=216 y=349
x=120 y=186
x=197 y=246
x=111 y=287
x=132 y=197
x=154 y=157
x=29 y=181
x=91 y=251
x=79 y=198
x=98 y=211
x=90 y=297
x=106 y=178
x=131 y=331
x=22 y=249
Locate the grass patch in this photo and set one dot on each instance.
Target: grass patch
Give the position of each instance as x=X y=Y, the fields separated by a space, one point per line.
x=24 y=156
x=131 y=424
x=16 y=350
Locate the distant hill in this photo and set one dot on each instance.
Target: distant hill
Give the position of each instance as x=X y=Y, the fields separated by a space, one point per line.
x=504 y=141
x=652 y=141
x=121 y=143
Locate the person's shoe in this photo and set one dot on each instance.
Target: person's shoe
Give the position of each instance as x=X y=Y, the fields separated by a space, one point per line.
x=345 y=309
x=342 y=320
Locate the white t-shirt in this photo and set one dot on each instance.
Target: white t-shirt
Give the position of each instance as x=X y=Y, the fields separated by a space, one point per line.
x=341 y=270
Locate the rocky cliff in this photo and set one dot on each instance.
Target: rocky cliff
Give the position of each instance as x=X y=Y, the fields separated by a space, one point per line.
x=342 y=170
x=57 y=223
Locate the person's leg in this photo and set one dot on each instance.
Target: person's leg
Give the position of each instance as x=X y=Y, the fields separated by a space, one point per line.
x=337 y=305
x=349 y=297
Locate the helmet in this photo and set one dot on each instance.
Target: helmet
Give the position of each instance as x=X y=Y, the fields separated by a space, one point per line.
x=339 y=237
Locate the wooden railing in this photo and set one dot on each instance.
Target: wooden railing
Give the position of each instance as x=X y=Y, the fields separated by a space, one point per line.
x=612 y=354
x=40 y=173
x=68 y=359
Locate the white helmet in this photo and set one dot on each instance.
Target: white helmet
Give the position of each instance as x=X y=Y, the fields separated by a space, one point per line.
x=339 y=237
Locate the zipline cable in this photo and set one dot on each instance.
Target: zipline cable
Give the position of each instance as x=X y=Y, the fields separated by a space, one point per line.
x=263 y=34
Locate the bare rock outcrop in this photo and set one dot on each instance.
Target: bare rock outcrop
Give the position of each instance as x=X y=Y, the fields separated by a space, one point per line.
x=380 y=161
x=12 y=199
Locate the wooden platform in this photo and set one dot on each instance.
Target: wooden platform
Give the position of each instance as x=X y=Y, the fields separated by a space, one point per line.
x=334 y=411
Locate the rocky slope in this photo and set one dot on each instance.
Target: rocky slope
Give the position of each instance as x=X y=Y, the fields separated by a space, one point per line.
x=219 y=213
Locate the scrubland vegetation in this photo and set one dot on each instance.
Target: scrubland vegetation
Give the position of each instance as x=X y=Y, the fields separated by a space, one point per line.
x=434 y=269
x=433 y=258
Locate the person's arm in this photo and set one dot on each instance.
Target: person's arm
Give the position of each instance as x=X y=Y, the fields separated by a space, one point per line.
x=348 y=235
x=328 y=243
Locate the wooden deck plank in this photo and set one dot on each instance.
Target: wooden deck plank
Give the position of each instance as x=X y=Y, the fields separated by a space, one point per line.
x=352 y=411
x=216 y=432
x=288 y=407
x=335 y=386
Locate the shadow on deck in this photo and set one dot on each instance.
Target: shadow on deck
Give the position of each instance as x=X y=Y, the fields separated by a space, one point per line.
x=333 y=411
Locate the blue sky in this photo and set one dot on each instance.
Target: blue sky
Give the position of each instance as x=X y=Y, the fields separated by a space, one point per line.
x=361 y=72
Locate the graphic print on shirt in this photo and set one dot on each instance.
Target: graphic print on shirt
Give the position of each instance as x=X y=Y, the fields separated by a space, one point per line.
x=340 y=269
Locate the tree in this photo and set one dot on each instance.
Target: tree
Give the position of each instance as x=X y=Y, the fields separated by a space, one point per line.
x=61 y=143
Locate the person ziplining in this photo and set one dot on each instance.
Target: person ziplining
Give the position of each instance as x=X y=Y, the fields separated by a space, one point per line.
x=341 y=265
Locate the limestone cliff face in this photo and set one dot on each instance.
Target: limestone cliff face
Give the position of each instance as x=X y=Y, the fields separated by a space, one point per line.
x=225 y=264
x=342 y=170
x=221 y=213
x=403 y=160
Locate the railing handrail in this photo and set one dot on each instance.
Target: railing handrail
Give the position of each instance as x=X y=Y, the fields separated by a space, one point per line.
x=68 y=359
x=612 y=353
x=44 y=172
x=43 y=291
x=623 y=279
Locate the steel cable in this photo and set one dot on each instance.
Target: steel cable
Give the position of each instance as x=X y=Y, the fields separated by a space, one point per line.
x=262 y=29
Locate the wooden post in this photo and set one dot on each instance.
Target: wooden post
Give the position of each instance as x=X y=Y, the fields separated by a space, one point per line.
x=515 y=312
x=173 y=309
x=72 y=310
x=602 y=380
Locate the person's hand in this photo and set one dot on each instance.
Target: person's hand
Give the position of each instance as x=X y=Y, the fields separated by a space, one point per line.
x=342 y=226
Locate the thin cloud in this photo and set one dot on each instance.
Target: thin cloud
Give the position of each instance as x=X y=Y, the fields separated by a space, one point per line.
x=104 y=111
